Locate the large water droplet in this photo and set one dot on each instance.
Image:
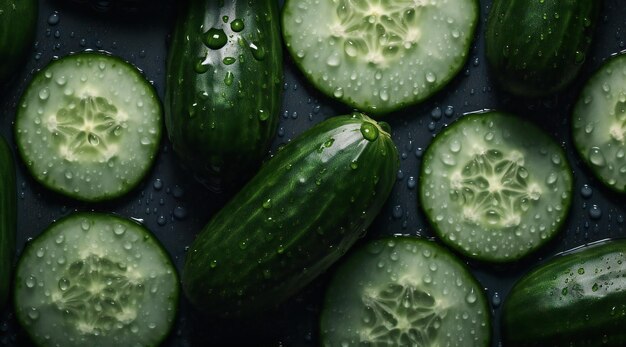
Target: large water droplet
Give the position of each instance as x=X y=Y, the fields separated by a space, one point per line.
x=369 y=131
x=215 y=38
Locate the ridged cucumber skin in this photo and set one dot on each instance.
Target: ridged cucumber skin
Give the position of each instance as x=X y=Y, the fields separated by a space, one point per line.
x=8 y=219
x=556 y=304
x=536 y=48
x=300 y=213
x=221 y=122
x=18 y=24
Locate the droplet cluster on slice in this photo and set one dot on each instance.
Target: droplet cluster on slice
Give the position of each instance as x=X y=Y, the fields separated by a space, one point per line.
x=89 y=126
x=495 y=187
x=599 y=124
x=379 y=55
x=404 y=292
x=96 y=280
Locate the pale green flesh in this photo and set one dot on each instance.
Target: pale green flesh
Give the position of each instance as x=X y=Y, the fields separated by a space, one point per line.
x=599 y=124
x=404 y=292
x=379 y=55
x=89 y=126
x=494 y=187
x=96 y=280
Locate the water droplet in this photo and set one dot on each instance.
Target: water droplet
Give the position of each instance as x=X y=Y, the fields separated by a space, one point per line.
x=59 y=239
x=213 y=264
x=44 y=94
x=595 y=212
x=586 y=191
x=411 y=182
x=64 y=284
x=119 y=229
x=350 y=48
x=33 y=313
x=581 y=271
x=54 y=19
x=258 y=52
x=496 y=300
x=333 y=60
x=215 y=38
x=455 y=146
x=85 y=225
x=354 y=165
x=30 y=282
x=237 y=25
x=228 y=79
x=267 y=204
x=471 y=297
x=431 y=77
x=397 y=212
x=369 y=131
x=93 y=139
x=596 y=157
x=338 y=93
x=229 y=60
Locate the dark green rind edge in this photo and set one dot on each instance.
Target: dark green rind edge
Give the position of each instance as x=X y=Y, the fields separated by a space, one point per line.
x=29 y=249
x=24 y=41
x=485 y=257
x=149 y=89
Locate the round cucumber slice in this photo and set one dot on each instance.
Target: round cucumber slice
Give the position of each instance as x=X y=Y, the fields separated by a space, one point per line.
x=599 y=124
x=404 y=291
x=379 y=56
x=96 y=280
x=89 y=126
x=495 y=187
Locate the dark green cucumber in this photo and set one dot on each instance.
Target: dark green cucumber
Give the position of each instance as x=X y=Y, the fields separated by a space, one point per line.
x=18 y=23
x=576 y=299
x=536 y=48
x=296 y=217
x=223 y=87
x=7 y=219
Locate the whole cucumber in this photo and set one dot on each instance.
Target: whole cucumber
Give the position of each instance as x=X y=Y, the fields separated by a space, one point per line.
x=18 y=23
x=536 y=48
x=574 y=300
x=300 y=213
x=223 y=88
x=8 y=218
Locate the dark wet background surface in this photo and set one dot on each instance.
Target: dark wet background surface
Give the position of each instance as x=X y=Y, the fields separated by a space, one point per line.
x=172 y=205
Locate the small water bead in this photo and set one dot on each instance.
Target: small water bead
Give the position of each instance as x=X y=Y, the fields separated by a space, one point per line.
x=586 y=191
x=237 y=25
x=33 y=313
x=431 y=77
x=229 y=60
x=180 y=213
x=471 y=297
x=597 y=157
x=161 y=220
x=369 y=131
x=595 y=212
x=44 y=94
x=397 y=212
x=496 y=300
x=30 y=281
x=436 y=113
x=338 y=93
x=64 y=284
x=54 y=19
x=333 y=60
x=411 y=182
x=384 y=95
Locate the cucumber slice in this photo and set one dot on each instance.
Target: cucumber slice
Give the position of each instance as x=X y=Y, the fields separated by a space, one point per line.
x=495 y=187
x=379 y=56
x=89 y=126
x=599 y=124
x=404 y=292
x=96 y=280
